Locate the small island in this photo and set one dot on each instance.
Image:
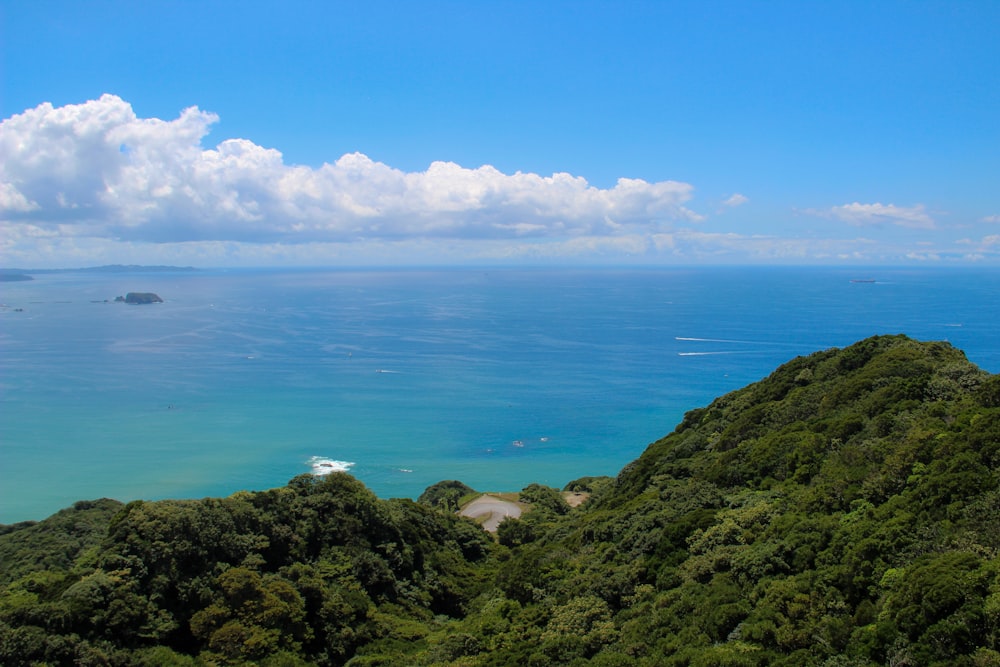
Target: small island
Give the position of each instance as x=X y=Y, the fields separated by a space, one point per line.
x=139 y=298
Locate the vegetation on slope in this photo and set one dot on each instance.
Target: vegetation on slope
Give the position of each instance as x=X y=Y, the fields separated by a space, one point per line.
x=844 y=511
x=308 y=572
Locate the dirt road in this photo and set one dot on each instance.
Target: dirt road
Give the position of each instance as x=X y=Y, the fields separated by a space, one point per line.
x=494 y=509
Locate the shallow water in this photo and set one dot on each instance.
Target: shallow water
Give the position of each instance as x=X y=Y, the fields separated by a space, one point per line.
x=497 y=378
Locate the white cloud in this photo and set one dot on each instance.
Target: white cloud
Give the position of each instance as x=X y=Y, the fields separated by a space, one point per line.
x=990 y=218
x=94 y=184
x=923 y=256
x=988 y=246
x=12 y=200
x=96 y=170
x=861 y=215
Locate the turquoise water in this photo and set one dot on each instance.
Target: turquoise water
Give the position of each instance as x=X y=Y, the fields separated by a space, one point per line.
x=498 y=378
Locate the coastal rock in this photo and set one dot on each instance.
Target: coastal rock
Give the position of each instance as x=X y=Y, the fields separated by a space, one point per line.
x=139 y=298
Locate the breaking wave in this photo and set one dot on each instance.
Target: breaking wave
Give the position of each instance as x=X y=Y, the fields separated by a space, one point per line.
x=324 y=466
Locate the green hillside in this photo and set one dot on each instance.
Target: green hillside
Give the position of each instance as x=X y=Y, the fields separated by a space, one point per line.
x=844 y=511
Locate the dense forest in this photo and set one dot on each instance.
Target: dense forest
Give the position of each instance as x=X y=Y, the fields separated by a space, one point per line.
x=844 y=511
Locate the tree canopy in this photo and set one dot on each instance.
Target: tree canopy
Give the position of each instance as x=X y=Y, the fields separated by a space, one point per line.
x=844 y=511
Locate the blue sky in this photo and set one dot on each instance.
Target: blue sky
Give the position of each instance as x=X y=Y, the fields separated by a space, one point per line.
x=665 y=133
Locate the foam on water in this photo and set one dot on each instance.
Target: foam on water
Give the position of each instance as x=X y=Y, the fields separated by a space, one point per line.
x=323 y=466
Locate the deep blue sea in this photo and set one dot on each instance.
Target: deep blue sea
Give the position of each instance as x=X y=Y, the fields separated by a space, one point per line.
x=498 y=378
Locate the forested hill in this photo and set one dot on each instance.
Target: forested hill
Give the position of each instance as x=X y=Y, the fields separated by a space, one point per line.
x=844 y=511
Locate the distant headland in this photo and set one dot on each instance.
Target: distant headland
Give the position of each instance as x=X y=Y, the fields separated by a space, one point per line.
x=25 y=274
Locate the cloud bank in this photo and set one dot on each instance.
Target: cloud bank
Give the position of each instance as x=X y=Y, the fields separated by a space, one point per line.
x=93 y=183
x=97 y=170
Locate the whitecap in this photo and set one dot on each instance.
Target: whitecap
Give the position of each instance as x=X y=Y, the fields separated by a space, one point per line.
x=703 y=354
x=322 y=465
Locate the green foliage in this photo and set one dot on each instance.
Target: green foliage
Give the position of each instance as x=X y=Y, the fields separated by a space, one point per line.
x=544 y=499
x=842 y=512
x=514 y=532
x=446 y=495
x=252 y=617
x=588 y=484
x=295 y=571
x=55 y=543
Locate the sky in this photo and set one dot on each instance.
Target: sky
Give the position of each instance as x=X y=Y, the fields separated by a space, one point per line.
x=481 y=132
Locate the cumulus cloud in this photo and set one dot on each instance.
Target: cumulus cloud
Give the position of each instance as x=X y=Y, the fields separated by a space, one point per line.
x=96 y=170
x=93 y=183
x=861 y=215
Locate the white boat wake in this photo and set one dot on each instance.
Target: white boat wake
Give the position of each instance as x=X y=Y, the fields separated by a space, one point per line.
x=690 y=339
x=704 y=354
x=710 y=340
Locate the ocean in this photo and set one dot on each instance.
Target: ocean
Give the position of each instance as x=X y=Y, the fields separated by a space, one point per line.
x=243 y=379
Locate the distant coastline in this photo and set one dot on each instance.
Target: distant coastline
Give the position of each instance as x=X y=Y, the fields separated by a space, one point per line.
x=107 y=268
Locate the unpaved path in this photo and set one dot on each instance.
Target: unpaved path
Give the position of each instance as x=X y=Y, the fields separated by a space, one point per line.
x=494 y=509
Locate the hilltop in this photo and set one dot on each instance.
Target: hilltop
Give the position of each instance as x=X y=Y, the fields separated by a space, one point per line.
x=843 y=511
